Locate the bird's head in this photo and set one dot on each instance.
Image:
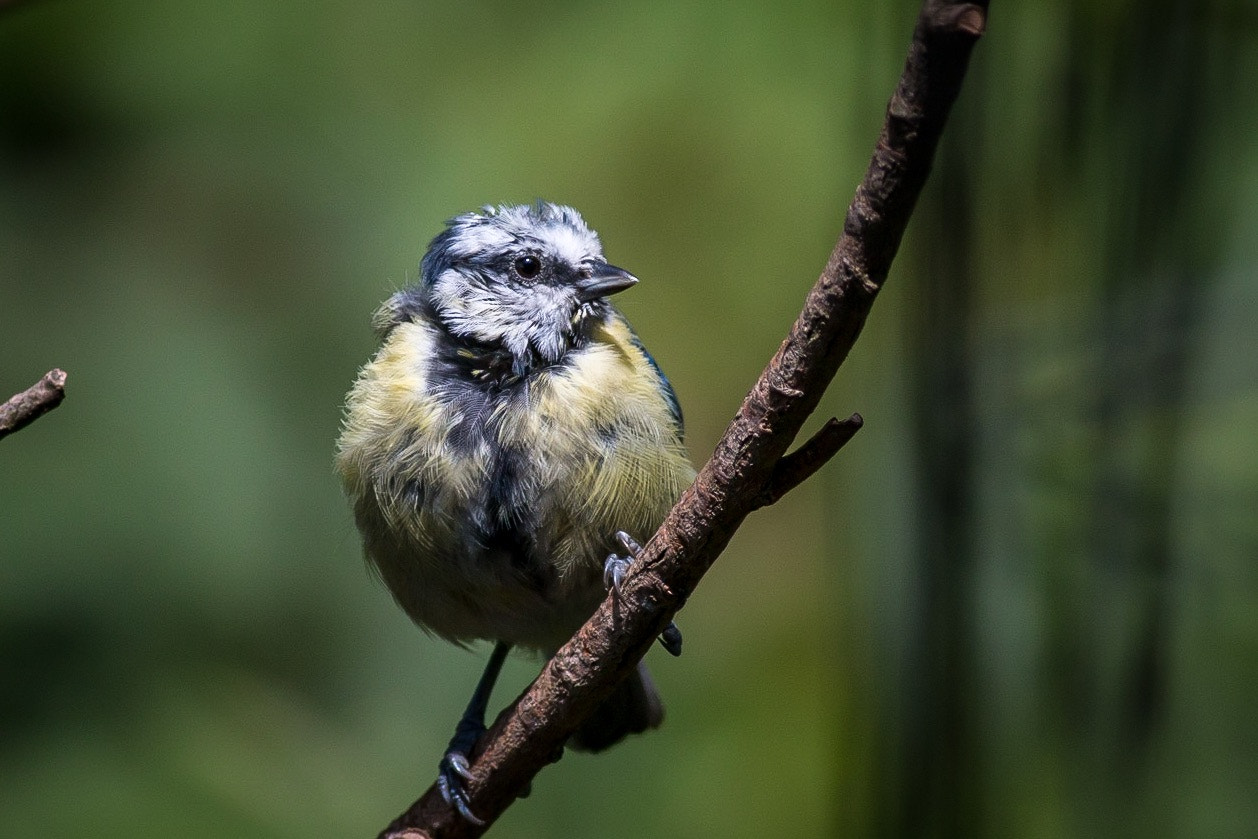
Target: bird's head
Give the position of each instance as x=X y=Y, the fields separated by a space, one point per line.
x=524 y=278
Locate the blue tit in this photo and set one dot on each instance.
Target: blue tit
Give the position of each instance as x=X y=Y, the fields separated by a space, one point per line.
x=509 y=432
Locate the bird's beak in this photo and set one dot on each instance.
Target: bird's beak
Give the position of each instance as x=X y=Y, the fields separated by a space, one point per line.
x=605 y=279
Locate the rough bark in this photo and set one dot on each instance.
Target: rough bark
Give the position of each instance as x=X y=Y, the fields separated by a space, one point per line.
x=24 y=408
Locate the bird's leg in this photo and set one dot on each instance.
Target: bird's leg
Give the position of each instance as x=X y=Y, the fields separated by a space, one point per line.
x=614 y=570
x=455 y=771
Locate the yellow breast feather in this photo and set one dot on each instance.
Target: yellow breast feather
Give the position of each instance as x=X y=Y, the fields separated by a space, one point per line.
x=605 y=439
x=394 y=441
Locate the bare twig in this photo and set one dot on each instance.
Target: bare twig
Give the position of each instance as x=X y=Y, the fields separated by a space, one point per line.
x=795 y=468
x=748 y=466
x=31 y=404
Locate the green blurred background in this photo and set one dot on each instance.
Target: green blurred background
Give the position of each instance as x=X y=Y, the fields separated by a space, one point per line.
x=1023 y=602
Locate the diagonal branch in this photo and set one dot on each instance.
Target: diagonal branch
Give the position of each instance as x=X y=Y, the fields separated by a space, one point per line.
x=24 y=408
x=747 y=466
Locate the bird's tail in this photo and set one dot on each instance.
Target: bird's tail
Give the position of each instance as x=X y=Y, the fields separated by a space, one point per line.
x=632 y=708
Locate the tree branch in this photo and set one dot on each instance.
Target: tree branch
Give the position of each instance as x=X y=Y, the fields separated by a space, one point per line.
x=795 y=468
x=24 y=408
x=747 y=468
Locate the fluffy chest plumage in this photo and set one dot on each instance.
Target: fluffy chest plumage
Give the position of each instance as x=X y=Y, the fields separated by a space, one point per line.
x=502 y=496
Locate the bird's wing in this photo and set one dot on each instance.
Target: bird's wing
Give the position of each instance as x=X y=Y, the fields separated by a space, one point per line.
x=666 y=388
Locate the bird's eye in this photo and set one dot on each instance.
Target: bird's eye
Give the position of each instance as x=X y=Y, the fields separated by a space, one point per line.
x=528 y=267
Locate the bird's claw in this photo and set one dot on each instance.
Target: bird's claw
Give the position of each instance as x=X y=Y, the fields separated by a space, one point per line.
x=452 y=778
x=458 y=763
x=629 y=544
x=614 y=570
x=455 y=770
x=670 y=639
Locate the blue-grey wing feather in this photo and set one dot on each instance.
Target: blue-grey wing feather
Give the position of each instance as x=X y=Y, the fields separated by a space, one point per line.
x=666 y=387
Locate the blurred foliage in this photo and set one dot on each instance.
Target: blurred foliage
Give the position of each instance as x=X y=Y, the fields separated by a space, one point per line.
x=1022 y=602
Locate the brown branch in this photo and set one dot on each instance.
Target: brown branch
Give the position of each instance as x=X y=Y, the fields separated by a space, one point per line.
x=24 y=408
x=748 y=463
x=795 y=468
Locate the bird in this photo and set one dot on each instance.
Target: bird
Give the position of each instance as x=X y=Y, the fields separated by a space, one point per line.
x=506 y=446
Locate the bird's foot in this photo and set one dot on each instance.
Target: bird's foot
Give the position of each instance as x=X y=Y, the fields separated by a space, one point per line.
x=614 y=570
x=670 y=639
x=455 y=769
x=616 y=566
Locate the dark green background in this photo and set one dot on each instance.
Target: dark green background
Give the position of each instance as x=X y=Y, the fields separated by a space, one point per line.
x=1023 y=602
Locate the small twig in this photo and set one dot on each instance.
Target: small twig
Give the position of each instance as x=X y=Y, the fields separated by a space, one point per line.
x=795 y=468
x=748 y=459
x=31 y=404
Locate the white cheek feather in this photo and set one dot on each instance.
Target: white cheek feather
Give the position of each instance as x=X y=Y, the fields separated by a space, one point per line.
x=547 y=313
x=540 y=319
x=471 y=310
